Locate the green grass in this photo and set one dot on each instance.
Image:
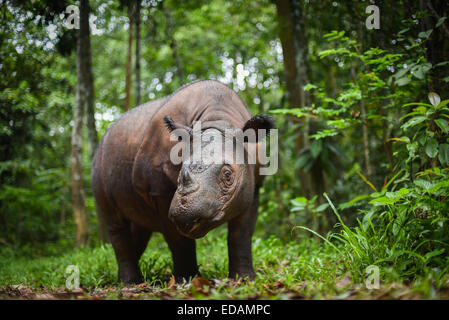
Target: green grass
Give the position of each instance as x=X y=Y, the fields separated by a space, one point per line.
x=300 y=268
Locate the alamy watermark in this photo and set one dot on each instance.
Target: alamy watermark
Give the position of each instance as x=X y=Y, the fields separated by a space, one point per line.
x=373 y=20
x=73 y=277
x=229 y=145
x=73 y=19
x=373 y=279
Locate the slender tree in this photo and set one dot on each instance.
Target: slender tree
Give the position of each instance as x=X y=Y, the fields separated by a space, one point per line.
x=137 y=18
x=294 y=42
x=286 y=35
x=437 y=44
x=292 y=73
x=92 y=135
x=173 y=44
x=128 y=84
x=83 y=94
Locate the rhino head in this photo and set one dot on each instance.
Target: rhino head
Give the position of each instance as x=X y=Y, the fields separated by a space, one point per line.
x=215 y=187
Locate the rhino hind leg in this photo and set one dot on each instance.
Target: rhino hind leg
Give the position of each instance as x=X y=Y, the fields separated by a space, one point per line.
x=128 y=248
x=140 y=237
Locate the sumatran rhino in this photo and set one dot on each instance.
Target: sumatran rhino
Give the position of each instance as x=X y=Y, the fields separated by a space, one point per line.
x=139 y=190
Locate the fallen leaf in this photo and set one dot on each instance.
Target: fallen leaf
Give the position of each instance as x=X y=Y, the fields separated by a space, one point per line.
x=346 y=281
x=172 y=283
x=200 y=283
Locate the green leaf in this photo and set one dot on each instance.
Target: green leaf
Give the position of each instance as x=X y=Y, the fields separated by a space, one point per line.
x=413 y=122
x=324 y=134
x=440 y=21
x=391 y=181
x=443 y=103
x=357 y=199
x=412 y=114
x=434 y=98
x=301 y=199
x=442 y=123
x=416 y=104
x=309 y=87
x=403 y=192
x=299 y=204
x=421 y=70
x=316 y=147
x=322 y=207
x=302 y=160
x=440 y=185
x=425 y=34
x=403 y=31
x=334 y=34
x=298 y=112
x=443 y=154
x=444 y=63
x=402 y=81
x=433 y=253
x=431 y=148
x=383 y=201
x=426 y=185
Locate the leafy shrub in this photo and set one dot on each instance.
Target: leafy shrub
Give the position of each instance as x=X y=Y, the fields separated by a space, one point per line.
x=405 y=229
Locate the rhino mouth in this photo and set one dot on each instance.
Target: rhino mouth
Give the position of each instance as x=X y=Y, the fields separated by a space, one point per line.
x=202 y=226
x=197 y=231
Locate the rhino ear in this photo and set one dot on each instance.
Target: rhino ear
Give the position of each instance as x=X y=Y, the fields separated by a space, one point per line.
x=260 y=121
x=169 y=123
x=173 y=125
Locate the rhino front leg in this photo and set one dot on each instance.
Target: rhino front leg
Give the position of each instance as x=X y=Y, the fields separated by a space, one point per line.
x=240 y=232
x=184 y=256
x=183 y=249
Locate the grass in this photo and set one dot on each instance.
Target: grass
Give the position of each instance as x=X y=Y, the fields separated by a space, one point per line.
x=302 y=268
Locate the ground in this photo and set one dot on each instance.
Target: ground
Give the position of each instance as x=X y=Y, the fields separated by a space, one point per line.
x=295 y=269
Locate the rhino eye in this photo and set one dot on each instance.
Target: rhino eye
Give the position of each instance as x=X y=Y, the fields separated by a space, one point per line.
x=227 y=176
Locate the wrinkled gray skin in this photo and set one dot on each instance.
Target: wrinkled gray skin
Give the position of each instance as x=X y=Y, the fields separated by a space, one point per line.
x=140 y=191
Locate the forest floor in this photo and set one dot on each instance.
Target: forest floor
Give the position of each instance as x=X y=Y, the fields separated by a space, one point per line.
x=305 y=269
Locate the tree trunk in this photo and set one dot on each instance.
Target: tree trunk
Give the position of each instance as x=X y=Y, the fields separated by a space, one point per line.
x=83 y=94
x=365 y=132
x=292 y=77
x=138 y=52
x=128 y=83
x=92 y=135
x=385 y=136
x=170 y=33
x=437 y=45
x=289 y=53
x=332 y=83
x=363 y=113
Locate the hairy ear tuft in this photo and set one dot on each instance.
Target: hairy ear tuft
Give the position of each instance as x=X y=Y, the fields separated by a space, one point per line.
x=260 y=121
x=171 y=126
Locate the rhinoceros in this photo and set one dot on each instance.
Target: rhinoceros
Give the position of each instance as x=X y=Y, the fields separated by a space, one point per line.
x=139 y=190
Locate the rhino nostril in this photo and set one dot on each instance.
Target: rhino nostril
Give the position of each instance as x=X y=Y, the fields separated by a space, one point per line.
x=186 y=178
